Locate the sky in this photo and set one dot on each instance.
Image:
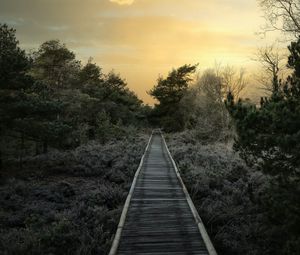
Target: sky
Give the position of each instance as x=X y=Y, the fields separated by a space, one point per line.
x=141 y=39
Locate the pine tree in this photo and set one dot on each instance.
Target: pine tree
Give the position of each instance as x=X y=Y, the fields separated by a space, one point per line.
x=55 y=72
x=14 y=85
x=169 y=92
x=269 y=136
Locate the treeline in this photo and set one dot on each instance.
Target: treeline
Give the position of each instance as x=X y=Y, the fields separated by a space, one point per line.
x=266 y=136
x=188 y=99
x=269 y=139
x=49 y=99
x=208 y=110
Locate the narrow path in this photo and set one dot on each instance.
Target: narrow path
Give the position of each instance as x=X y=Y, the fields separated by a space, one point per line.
x=159 y=217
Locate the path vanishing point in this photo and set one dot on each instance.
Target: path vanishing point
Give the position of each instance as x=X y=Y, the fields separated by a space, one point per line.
x=159 y=216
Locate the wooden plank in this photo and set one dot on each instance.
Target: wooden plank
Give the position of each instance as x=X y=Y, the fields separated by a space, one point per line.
x=159 y=218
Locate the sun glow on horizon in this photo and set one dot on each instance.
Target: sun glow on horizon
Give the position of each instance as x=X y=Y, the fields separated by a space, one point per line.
x=122 y=2
x=143 y=38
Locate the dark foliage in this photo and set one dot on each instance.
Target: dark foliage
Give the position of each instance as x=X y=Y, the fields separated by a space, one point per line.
x=228 y=195
x=67 y=202
x=269 y=137
x=69 y=148
x=169 y=92
x=48 y=100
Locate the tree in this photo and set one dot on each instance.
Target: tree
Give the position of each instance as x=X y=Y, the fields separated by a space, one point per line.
x=55 y=66
x=107 y=93
x=13 y=60
x=169 y=92
x=282 y=15
x=271 y=131
x=233 y=81
x=50 y=99
x=55 y=71
x=269 y=137
x=273 y=68
x=218 y=82
x=122 y=103
x=90 y=76
x=210 y=84
x=93 y=86
x=203 y=105
x=13 y=85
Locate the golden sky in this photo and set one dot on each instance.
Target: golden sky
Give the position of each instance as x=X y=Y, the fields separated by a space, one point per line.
x=141 y=39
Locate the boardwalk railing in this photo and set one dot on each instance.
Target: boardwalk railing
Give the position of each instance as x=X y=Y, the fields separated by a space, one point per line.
x=210 y=248
x=159 y=216
x=116 y=241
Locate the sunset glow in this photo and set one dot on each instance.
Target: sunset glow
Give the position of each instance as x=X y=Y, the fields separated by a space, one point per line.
x=143 y=38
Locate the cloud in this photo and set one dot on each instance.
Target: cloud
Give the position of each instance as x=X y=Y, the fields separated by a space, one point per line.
x=58 y=28
x=142 y=39
x=123 y=2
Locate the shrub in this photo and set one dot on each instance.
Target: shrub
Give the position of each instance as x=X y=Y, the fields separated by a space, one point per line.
x=227 y=194
x=68 y=202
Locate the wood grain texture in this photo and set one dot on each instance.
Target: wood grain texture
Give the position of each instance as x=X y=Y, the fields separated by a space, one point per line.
x=159 y=219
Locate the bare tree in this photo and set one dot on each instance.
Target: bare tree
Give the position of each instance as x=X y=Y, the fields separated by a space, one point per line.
x=273 y=67
x=208 y=94
x=233 y=81
x=282 y=15
x=210 y=84
x=204 y=107
x=218 y=82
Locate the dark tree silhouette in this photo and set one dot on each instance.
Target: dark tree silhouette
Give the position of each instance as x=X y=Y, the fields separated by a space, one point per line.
x=169 y=92
x=269 y=136
x=14 y=103
x=282 y=15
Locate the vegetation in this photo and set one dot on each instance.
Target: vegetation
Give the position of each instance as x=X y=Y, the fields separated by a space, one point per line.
x=281 y=15
x=248 y=193
x=228 y=195
x=169 y=93
x=269 y=137
x=72 y=136
x=67 y=202
x=71 y=140
x=49 y=99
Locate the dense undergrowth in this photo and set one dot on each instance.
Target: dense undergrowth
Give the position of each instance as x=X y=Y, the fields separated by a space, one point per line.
x=67 y=202
x=227 y=194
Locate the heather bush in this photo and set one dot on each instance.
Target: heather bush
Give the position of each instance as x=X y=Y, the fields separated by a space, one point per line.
x=67 y=202
x=228 y=195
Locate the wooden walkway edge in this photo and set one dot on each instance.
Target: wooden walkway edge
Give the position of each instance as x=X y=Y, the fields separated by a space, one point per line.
x=159 y=216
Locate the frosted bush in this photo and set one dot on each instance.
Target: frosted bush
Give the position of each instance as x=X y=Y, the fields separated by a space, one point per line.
x=68 y=202
x=227 y=194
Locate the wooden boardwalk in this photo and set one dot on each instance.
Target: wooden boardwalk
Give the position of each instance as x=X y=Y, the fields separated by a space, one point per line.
x=159 y=216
